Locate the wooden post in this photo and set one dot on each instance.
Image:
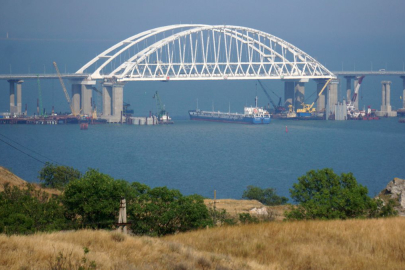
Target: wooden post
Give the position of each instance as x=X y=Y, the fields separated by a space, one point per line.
x=122 y=218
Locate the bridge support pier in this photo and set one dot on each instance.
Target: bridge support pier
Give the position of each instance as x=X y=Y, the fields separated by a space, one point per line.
x=320 y=103
x=349 y=87
x=15 y=107
x=288 y=93
x=113 y=101
x=107 y=92
x=82 y=92
x=386 y=101
x=19 y=97
x=294 y=93
x=86 y=99
x=332 y=96
x=299 y=92
x=76 y=92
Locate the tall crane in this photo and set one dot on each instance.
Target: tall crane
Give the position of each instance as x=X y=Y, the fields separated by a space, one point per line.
x=277 y=108
x=307 y=108
x=160 y=107
x=64 y=89
x=356 y=91
x=352 y=111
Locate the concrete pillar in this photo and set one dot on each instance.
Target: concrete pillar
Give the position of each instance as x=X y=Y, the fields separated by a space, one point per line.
x=320 y=103
x=386 y=109
x=12 y=96
x=332 y=94
x=349 y=87
x=117 y=99
x=107 y=94
x=288 y=93
x=19 y=97
x=76 y=92
x=383 y=107
x=388 y=96
x=86 y=95
x=299 y=95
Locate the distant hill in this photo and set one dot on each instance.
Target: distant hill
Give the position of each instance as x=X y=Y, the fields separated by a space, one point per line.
x=8 y=177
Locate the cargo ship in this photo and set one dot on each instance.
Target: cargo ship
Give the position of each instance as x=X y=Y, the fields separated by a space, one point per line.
x=251 y=115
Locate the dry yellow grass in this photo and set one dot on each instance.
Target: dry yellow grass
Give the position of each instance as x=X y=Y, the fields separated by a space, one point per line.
x=352 y=244
x=8 y=177
x=109 y=251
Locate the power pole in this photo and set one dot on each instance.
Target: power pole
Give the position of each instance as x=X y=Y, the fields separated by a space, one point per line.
x=122 y=218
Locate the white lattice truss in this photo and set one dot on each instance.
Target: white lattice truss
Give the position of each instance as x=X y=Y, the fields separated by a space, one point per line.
x=204 y=52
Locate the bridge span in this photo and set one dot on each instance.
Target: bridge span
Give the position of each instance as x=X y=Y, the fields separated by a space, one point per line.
x=194 y=52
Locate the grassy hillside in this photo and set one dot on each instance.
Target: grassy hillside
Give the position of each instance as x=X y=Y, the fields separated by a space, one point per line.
x=13 y=180
x=352 y=244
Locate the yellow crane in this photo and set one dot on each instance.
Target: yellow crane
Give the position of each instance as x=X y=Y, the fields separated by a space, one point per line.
x=308 y=108
x=64 y=89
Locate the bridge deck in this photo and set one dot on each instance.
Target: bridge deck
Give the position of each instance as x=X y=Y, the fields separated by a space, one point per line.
x=41 y=76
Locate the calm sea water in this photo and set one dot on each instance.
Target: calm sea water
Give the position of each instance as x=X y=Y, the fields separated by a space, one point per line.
x=200 y=157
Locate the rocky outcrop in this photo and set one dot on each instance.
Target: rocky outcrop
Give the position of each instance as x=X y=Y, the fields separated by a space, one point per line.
x=259 y=211
x=395 y=190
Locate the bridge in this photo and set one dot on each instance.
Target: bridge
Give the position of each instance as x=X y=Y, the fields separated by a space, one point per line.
x=191 y=52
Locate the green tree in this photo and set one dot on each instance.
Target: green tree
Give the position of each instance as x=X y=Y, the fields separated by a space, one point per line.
x=26 y=210
x=53 y=176
x=94 y=199
x=322 y=194
x=266 y=196
x=160 y=211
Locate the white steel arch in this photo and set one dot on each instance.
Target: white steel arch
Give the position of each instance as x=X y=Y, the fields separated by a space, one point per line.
x=204 y=52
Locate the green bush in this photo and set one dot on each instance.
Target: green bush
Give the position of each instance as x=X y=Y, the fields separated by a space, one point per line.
x=93 y=201
x=246 y=218
x=160 y=211
x=26 y=210
x=266 y=196
x=58 y=177
x=322 y=194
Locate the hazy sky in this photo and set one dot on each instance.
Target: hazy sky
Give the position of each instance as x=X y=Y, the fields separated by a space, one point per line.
x=355 y=34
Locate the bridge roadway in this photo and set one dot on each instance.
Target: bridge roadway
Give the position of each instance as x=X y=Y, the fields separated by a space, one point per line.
x=369 y=73
x=17 y=77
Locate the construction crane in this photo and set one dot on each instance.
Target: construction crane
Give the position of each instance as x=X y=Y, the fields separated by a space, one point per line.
x=356 y=91
x=159 y=106
x=162 y=115
x=307 y=108
x=40 y=112
x=352 y=111
x=277 y=108
x=64 y=89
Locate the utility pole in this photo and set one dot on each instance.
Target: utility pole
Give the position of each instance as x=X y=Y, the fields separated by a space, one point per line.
x=122 y=218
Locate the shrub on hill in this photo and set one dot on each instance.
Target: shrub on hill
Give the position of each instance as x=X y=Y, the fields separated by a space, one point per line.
x=322 y=194
x=266 y=196
x=53 y=176
x=26 y=210
x=160 y=211
x=93 y=201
